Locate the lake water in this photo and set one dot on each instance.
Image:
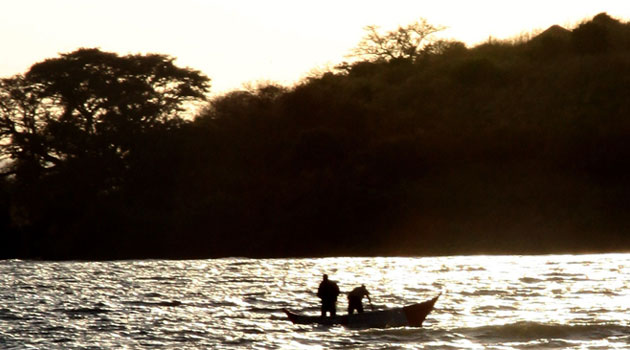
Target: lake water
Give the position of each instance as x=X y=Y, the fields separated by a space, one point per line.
x=488 y=302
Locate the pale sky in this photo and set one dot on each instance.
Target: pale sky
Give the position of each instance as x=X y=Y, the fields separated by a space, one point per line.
x=247 y=41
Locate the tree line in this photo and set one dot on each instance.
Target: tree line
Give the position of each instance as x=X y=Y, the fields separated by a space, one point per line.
x=417 y=146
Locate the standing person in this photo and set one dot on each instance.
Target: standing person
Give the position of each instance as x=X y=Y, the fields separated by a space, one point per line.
x=328 y=292
x=355 y=299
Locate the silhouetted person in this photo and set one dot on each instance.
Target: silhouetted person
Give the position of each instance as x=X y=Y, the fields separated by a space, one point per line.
x=328 y=292
x=355 y=298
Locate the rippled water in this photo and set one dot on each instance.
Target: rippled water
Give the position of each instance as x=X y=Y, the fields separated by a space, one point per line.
x=488 y=302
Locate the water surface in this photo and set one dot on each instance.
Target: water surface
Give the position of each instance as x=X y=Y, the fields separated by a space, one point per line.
x=488 y=302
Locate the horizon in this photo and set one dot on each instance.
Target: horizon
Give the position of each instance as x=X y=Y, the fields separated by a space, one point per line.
x=250 y=42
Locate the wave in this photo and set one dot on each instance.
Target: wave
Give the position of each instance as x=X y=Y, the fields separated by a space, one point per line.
x=81 y=311
x=530 y=280
x=484 y=308
x=607 y=292
x=172 y=303
x=527 y=331
x=8 y=315
x=485 y=292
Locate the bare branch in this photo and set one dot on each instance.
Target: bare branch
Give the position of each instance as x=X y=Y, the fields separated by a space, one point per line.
x=404 y=42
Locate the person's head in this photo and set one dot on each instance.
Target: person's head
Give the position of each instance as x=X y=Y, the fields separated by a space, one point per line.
x=325 y=277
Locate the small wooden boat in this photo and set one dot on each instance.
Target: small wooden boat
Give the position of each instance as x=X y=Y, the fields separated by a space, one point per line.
x=407 y=316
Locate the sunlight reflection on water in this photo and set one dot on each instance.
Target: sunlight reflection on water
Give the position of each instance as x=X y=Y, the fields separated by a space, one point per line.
x=501 y=302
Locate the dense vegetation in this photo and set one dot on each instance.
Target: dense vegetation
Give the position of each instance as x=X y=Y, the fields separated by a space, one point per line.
x=506 y=147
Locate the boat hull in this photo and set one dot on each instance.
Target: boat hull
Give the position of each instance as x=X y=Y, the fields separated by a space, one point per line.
x=408 y=316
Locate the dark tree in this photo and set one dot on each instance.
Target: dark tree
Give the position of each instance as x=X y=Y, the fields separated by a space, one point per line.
x=402 y=43
x=72 y=127
x=91 y=102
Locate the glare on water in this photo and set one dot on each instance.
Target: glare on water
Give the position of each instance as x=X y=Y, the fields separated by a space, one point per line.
x=487 y=302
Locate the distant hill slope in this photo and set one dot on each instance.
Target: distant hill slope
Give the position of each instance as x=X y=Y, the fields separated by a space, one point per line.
x=505 y=147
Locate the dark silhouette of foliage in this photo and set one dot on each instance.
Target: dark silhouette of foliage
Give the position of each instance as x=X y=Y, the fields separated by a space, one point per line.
x=515 y=146
x=74 y=125
x=405 y=42
x=92 y=101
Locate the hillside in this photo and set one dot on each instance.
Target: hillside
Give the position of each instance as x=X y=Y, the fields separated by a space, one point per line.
x=506 y=147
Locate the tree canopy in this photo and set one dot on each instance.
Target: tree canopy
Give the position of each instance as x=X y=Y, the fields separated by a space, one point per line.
x=515 y=146
x=73 y=125
x=90 y=101
x=405 y=42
